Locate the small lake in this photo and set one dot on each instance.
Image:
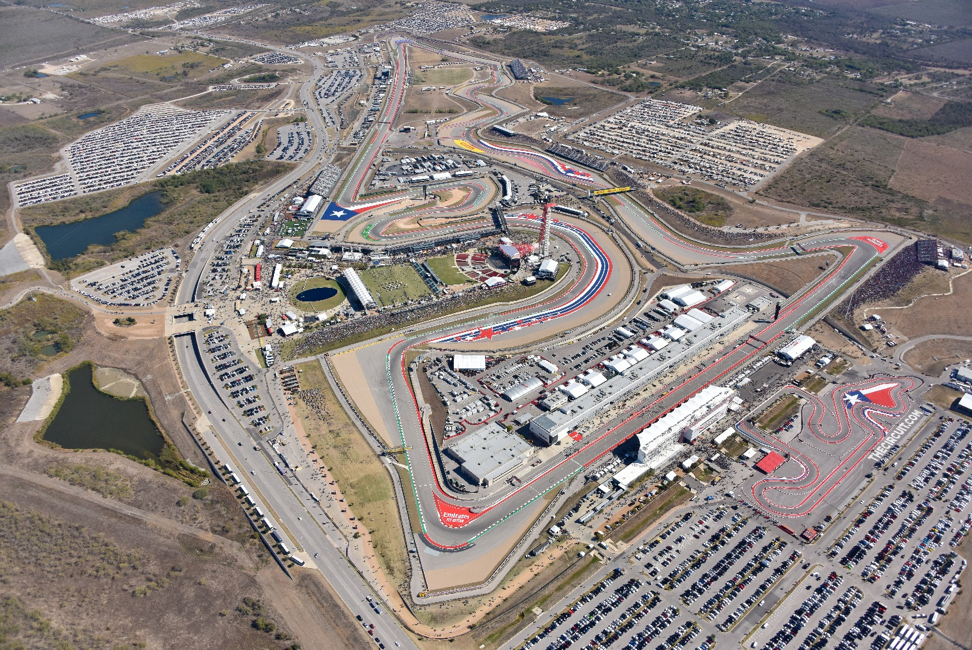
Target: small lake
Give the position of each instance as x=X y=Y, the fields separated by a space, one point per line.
x=89 y=115
x=316 y=295
x=90 y=419
x=70 y=239
x=558 y=101
x=493 y=16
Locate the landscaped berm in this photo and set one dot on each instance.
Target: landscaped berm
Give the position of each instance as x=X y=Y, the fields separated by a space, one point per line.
x=317 y=294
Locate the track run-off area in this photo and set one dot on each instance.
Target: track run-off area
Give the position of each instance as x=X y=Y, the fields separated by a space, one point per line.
x=478 y=526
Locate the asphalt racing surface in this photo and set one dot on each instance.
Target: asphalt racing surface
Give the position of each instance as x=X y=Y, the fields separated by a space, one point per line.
x=460 y=528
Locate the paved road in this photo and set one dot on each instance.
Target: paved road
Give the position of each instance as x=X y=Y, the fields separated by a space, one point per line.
x=298 y=518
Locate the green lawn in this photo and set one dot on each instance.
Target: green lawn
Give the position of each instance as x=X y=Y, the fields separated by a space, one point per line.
x=394 y=285
x=320 y=305
x=447 y=270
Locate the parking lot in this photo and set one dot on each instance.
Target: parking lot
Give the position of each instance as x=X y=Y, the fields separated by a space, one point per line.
x=136 y=282
x=238 y=383
x=120 y=153
x=293 y=142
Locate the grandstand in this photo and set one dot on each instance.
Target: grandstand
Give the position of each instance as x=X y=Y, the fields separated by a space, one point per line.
x=578 y=156
x=519 y=70
x=927 y=251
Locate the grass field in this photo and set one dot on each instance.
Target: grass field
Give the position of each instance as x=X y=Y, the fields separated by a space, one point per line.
x=451 y=76
x=366 y=486
x=779 y=411
x=447 y=270
x=514 y=293
x=185 y=65
x=711 y=209
x=320 y=305
x=394 y=285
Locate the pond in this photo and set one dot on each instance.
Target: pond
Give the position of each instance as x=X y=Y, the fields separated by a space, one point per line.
x=89 y=115
x=51 y=350
x=316 y=295
x=90 y=419
x=70 y=239
x=40 y=335
x=558 y=101
x=493 y=16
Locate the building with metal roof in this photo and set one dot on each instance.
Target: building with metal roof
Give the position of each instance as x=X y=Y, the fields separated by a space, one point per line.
x=555 y=425
x=796 y=348
x=574 y=389
x=475 y=362
x=489 y=454
x=522 y=389
x=359 y=290
x=659 y=441
x=690 y=299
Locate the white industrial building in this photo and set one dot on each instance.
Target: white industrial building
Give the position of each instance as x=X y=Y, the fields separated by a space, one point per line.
x=359 y=290
x=722 y=437
x=546 y=365
x=489 y=454
x=309 y=207
x=617 y=363
x=668 y=306
x=574 y=389
x=592 y=378
x=635 y=354
x=796 y=348
x=723 y=286
x=475 y=362
x=630 y=474
x=656 y=343
x=687 y=323
x=522 y=389
x=963 y=374
x=690 y=299
x=548 y=269
x=673 y=333
x=677 y=292
x=659 y=442
x=552 y=427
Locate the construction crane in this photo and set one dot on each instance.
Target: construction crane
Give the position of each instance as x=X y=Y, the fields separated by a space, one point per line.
x=545 y=231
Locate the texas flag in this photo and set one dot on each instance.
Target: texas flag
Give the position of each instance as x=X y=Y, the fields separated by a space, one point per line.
x=335 y=212
x=879 y=395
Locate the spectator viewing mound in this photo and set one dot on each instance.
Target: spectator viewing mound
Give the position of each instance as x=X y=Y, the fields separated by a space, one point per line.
x=892 y=278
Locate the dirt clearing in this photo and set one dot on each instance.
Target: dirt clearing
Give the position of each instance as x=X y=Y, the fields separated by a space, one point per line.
x=934 y=314
x=932 y=172
x=931 y=357
x=787 y=276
